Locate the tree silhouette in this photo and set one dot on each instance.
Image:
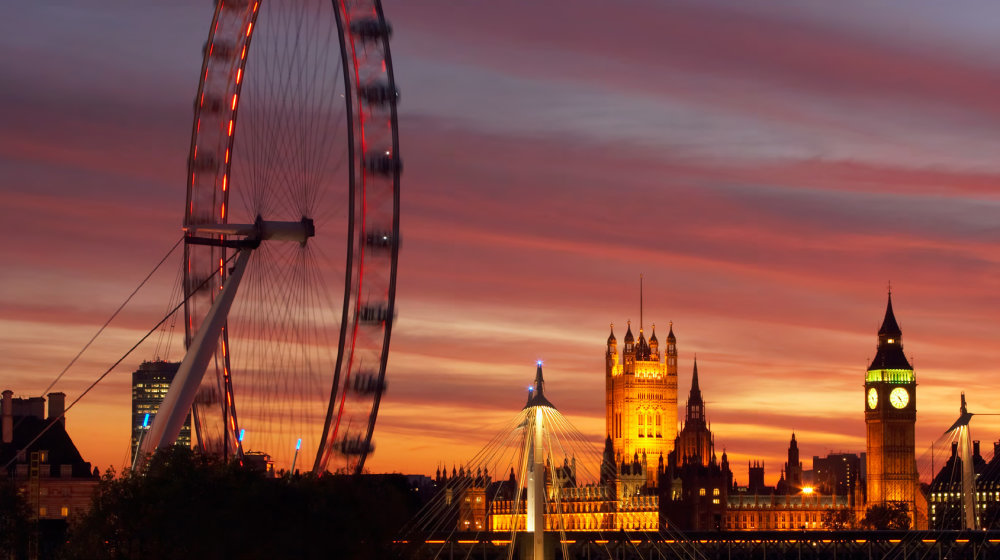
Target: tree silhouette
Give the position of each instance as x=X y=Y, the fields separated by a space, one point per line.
x=888 y=516
x=185 y=505
x=838 y=519
x=13 y=521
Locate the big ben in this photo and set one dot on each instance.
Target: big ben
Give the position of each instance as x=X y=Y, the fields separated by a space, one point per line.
x=890 y=417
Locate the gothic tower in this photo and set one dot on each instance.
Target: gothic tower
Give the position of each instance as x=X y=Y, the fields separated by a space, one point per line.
x=695 y=443
x=890 y=418
x=641 y=397
x=793 y=468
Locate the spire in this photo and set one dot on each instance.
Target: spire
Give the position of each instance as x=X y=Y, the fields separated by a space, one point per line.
x=695 y=405
x=695 y=389
x=629 y=339
x=536 y=393
x=611 y=337
x=889 y=326
x=670 y=335
x=652 y=336
x=890 y=343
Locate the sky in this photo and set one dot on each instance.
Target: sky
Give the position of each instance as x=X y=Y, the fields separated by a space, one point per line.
x=769 y=167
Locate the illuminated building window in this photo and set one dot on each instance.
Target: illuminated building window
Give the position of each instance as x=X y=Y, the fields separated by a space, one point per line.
x=43 y=511
x=701 y=491
x=64 y=511
x=715 y=491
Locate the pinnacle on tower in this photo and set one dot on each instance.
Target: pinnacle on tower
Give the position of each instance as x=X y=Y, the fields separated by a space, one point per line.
x=695 y=395
x=889 y=326
x=890 y=344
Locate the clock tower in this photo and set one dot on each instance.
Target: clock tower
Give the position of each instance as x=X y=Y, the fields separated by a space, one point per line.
x=890 y=417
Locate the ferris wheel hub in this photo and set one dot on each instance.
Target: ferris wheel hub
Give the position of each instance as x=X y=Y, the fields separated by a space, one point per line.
x=260 y=230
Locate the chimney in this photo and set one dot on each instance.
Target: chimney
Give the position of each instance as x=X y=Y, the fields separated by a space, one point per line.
x=975 y=448
x=57 y=405
x=8 y=416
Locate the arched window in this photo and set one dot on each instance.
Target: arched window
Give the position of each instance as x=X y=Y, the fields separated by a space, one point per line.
x=649 y=425
x=659 y=425
x=641 y=430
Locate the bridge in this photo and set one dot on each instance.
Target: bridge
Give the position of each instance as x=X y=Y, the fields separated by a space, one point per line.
x=759 y=545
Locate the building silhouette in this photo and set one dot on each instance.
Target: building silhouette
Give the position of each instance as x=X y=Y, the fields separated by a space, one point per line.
x=150 y=384
x=45 y=465
x=694 y=485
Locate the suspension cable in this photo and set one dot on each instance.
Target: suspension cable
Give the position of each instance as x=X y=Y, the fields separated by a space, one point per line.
x=53 y=421
x=112 y=317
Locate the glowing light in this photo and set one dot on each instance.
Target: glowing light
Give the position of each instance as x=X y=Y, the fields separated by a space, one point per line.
x=539 y=362
x=808 y=490
x=145 y=421
x=242 y=433
x=298 y=445
x=891 y=340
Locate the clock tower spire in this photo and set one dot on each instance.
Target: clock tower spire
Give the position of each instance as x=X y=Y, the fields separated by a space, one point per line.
x=890 y=419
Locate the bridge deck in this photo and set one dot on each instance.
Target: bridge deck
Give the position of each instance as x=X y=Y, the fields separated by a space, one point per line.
x=759 y=545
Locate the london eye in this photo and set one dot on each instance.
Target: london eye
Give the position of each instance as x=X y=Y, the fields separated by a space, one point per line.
x=293 y=200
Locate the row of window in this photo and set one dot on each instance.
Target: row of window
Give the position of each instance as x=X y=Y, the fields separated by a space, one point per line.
x=646 y=426
x=44 y=511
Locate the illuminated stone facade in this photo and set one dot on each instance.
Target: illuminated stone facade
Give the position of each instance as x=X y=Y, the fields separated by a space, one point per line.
x=593 y=507
x=641 y=397
x=777 y=512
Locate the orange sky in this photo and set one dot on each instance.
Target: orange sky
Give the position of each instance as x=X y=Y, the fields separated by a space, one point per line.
x=768 y=169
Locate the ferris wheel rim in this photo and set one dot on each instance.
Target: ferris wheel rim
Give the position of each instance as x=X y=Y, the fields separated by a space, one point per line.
x=360 y=157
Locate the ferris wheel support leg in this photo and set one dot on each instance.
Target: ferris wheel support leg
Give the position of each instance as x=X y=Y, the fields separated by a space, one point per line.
x=175 y=407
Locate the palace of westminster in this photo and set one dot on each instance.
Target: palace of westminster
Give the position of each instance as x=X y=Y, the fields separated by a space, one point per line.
x=657 y=472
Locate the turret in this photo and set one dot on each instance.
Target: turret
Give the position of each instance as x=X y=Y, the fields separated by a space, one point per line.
x=671 y=350
x=793 y=468
x=654 y=345
x=628 y=353
x=612 y=354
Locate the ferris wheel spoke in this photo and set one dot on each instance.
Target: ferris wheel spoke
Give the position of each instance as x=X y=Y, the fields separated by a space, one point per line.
x=316 y=139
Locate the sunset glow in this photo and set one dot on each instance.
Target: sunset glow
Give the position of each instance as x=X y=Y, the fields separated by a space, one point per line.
x=768 y=167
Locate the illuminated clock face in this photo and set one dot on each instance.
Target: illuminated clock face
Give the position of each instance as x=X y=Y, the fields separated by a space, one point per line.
x=899 y=397
x=872 y=398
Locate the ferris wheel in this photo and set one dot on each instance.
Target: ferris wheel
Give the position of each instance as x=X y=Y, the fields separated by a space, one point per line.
x=293 y=200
